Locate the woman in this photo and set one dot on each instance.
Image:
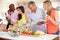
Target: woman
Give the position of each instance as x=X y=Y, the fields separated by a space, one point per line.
x=8 y=17
x=11 y=15
x=22 y=16
x=51 y=18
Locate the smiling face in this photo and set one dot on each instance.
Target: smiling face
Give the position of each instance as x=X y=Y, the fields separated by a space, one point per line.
x=19 y=11
x=32 y=7
x=47 y=5
x=12 y=7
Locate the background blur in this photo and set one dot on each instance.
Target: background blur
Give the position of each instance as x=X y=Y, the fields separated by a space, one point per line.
x=4 y=4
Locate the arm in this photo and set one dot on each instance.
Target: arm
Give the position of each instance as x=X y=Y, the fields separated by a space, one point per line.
x=28 y=21
x=26 y=17
x=56 y=18
x=41 y=22
x=7 y=15
x=43 y=18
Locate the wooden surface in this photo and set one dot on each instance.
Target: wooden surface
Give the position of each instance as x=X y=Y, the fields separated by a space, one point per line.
x=4 y=39
x=57 y=38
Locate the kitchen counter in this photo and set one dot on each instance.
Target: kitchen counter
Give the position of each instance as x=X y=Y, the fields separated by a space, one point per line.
x=21 y=37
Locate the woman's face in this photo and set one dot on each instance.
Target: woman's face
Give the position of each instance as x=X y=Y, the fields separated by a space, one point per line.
x=45 y=6
x=19 y=11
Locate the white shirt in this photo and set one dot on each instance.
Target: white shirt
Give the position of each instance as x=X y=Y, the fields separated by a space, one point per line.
x=13 y=16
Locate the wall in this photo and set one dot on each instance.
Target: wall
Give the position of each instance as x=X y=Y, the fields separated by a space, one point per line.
x=4 y=4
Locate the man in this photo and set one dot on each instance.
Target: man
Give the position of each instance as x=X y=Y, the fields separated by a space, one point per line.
x=36 y=17
x=12 y=15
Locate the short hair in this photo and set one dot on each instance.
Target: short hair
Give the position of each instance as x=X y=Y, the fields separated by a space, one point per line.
x=11 y=5
x=47 y=1
x=49 y=6
x=31 y=2
x=21 y=8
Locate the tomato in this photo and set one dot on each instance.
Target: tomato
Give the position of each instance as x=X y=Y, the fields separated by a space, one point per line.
x=29 y=33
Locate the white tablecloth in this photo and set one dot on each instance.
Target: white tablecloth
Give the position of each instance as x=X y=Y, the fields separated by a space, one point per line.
x=42 y=37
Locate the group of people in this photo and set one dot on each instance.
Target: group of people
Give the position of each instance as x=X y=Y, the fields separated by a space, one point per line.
x=38 y=19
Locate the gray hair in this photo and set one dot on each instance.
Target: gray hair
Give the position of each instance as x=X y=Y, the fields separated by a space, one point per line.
x=31 y=2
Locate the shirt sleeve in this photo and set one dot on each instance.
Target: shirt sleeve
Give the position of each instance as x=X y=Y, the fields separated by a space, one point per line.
x=29 y=21
x=43 y=14
x=14 y=16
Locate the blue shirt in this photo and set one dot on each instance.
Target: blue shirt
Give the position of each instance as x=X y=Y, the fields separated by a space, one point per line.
x=36 y=17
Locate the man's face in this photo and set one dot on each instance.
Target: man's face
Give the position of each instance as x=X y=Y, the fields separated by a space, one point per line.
x=19 y=11
x=12 y=7
x=31 y=7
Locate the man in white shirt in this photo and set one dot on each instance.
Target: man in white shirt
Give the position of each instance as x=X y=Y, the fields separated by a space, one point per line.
x=36 y=17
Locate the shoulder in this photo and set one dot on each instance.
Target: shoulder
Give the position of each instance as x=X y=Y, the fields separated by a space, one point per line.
x=8 y=11
x=25 y=13
x=53 y=9
x=30 y=13
x=40 y=9
x=16 y=11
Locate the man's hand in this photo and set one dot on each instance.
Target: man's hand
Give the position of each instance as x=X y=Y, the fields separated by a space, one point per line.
x=40 y=23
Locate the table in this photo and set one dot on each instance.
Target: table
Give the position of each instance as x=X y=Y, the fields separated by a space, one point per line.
x=21 y=37
x=57 y=38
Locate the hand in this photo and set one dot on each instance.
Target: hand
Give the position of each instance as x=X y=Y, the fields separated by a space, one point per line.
x=30 y=28
x=0 y=20
x=47 y=17
x=40 y=23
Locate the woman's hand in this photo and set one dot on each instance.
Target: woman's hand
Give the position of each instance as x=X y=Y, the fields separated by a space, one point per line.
x=46 y=16
x=53 y=21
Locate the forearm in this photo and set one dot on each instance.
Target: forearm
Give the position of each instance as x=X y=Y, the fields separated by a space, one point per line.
x=41 y=22
x=53 y=21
